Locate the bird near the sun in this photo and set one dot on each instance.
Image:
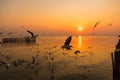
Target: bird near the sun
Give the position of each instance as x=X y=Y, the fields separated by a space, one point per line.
x=67 y=43
x=96 y=25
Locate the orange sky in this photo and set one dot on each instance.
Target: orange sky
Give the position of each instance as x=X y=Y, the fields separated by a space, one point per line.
x=61 y=17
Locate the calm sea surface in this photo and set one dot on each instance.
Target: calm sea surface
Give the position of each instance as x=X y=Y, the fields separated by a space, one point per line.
x=92 y=63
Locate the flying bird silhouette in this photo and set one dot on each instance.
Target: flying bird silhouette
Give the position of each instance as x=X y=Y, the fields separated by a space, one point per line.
x=67 y=43
x=76 y=52
x=96 y=24
x=32 y=34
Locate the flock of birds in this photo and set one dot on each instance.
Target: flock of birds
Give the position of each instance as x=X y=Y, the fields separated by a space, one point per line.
x=97 y=23
x=7 y=62
x=6 y=58
x=34 y=62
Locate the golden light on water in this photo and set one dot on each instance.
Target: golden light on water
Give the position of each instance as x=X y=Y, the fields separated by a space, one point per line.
x=80 y=41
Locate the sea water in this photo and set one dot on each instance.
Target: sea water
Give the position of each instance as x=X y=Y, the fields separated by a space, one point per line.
x=54 y=63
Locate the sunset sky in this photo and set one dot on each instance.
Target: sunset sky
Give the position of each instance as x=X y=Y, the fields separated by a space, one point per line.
x=61 y=17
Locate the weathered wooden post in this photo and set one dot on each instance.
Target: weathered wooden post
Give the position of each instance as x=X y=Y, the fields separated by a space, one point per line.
x=113 y=66
x=116 y=62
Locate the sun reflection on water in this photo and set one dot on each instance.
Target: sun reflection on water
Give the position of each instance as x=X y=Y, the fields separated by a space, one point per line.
x=80 y=41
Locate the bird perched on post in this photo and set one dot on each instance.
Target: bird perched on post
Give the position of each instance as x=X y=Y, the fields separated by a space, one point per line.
x=67 y=43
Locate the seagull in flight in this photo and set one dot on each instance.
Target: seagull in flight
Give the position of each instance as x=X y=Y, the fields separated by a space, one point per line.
x=67 y=43
x=76 y=52
x=32 y=34
x=96 y=24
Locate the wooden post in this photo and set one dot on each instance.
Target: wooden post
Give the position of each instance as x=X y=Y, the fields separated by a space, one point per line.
x=113 y=66
x=116 y=62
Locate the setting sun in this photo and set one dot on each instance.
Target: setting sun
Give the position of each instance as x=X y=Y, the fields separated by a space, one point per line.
x=79 y=28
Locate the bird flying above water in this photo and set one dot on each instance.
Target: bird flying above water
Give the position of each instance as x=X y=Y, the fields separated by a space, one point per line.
x=67 y=43
x=76 y=52
x=32 y=34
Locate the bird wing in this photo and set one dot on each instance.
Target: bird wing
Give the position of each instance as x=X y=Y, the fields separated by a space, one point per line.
x=96 y=25
x=30 y=33
x=68 y=40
